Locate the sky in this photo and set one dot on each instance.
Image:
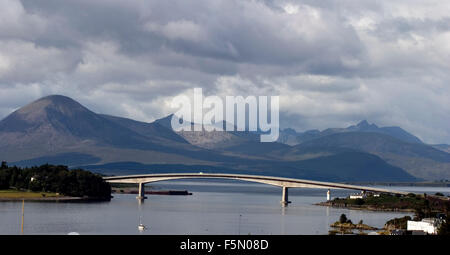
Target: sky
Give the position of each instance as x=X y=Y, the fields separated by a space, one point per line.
x=332 y=62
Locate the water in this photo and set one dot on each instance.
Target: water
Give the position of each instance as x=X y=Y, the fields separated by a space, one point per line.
x=214 y=208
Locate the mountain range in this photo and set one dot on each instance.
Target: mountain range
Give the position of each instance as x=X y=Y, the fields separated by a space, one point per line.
x=291 y=137
x=58 y=130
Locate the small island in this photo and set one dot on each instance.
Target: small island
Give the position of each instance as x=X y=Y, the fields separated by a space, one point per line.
x=415 y=203
x=428 y=210
x=345 y=226
x=51 y=183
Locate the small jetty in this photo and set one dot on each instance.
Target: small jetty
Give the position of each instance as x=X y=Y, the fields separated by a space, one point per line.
x=168 y=192
x=154 y=192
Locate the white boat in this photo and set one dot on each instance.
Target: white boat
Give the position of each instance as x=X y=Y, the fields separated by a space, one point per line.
x=141 y=227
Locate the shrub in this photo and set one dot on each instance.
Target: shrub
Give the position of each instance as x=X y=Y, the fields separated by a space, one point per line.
x=343 y=218
x=60 y=179
x=359 y=201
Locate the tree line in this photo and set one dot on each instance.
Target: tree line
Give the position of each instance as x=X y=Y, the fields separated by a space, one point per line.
x=58 y=179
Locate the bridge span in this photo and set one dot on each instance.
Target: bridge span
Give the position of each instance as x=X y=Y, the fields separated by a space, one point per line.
x=284 y=183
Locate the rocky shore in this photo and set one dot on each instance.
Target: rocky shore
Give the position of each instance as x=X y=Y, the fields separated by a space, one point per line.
x=365 y=207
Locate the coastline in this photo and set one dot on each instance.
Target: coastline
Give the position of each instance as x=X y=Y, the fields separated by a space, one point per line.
x=51 y=199
x=403 y=184
x=365 y=208
x=30 y=196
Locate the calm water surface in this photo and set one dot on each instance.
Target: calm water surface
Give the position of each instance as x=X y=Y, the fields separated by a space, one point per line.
x=214 y=208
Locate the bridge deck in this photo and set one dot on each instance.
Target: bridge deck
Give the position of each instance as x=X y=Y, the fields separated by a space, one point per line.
x=271 y=180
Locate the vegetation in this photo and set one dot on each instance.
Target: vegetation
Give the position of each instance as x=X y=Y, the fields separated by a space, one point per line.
x=345 y=226
x=343 y=219
x=430 y=207
x=444 y=229
x=10 y=193
x=423 y=206
x=397 y=223
x=54 y=179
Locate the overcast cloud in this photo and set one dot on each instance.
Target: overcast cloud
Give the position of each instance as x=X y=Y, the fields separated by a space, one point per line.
x=333 y=62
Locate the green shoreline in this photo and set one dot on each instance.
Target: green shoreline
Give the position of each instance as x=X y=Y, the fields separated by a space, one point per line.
x=366 y=208
x=11 y=195
x=410 y=203
x=44 y=199
x=404 y=184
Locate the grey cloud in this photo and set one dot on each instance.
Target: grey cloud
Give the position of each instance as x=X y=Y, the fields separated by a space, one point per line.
x=241 y=31
x=129 y=57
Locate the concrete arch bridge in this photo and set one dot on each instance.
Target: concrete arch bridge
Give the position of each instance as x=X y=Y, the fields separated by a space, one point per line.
x=284 y=183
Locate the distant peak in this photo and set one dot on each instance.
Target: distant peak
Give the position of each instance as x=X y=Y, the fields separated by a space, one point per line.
x=290 y=131
x=57 y=99
x=363 y=123
x=58 y=103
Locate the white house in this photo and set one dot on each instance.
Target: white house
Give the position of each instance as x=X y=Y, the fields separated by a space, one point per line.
x=427 y=225
x=356 y=196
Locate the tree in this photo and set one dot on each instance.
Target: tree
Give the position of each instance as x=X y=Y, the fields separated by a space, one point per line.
x=4 y=165
x=343 y=218
x=398 y=223
x=444 y=229
x=60 y=179
x=359 y=201
x=5 y=176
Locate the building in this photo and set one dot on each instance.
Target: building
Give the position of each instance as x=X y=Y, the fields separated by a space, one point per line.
x=427 y=225
x=361 y=195
x=356 y=196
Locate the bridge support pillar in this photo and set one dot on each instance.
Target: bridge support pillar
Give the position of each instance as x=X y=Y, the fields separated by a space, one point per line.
x=285 y=197
x=141 y=194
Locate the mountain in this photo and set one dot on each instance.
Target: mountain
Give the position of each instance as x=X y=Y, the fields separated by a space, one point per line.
x=54 y=118
x=151 y=130
x=442 y=147
x=291 y=137
x=395 y=132
x=359 y=166
x=213 y=139
x=57 y=127
x=288 y=136
x=346 y=166
x=418 y=159
x=58 y=130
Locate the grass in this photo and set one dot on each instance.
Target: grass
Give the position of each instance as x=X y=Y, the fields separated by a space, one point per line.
x=14 y=194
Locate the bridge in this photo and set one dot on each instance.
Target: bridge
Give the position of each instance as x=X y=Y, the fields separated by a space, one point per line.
x=284 y=183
